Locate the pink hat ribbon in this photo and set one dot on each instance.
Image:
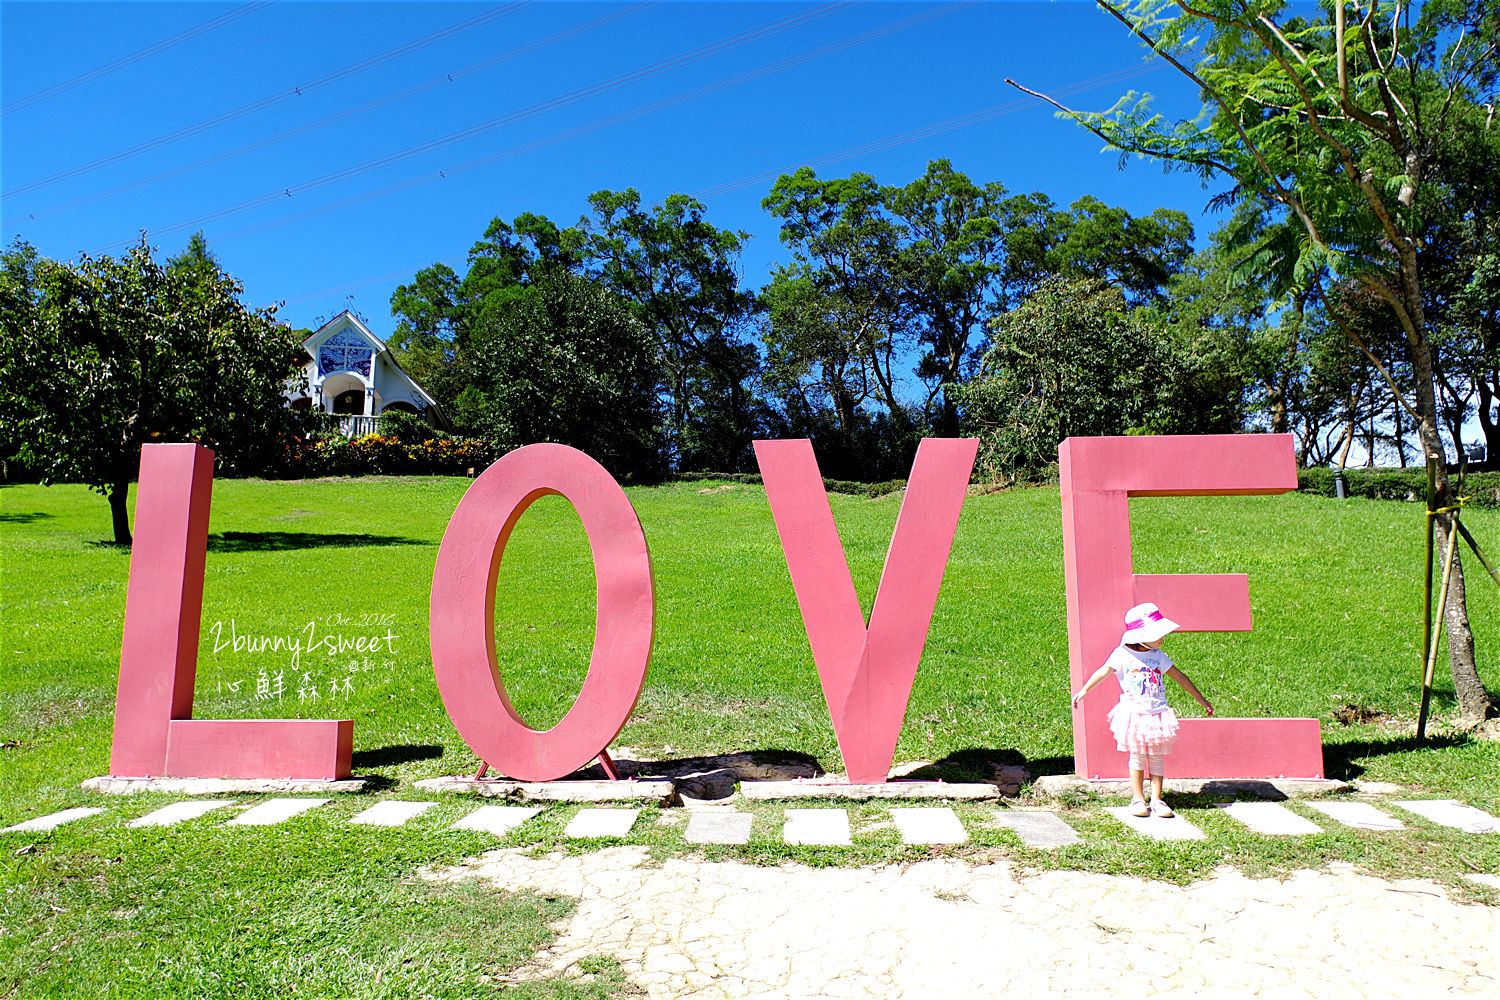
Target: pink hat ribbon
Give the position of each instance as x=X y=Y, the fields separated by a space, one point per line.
x=1154 y=616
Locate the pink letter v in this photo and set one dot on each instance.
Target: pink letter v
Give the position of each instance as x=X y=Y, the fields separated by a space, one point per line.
x=867 y=673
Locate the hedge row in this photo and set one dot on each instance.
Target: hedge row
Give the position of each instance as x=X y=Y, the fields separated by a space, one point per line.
x=377 y=454
x=1482 y=489
x=831 y=485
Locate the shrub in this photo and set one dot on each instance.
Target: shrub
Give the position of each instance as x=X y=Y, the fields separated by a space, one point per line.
x=1482 y=489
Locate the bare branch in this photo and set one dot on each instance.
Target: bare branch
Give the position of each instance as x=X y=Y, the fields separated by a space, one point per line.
x=1354 y=338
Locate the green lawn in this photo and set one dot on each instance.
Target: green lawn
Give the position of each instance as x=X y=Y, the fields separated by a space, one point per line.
x=1335 y=587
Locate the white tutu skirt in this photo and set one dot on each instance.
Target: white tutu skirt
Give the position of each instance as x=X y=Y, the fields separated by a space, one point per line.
x=1141 y=733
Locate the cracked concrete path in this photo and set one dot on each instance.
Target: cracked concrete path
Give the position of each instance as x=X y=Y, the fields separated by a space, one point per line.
x=687 y=928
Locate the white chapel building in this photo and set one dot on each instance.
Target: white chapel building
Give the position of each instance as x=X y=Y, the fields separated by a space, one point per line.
x=351 y=373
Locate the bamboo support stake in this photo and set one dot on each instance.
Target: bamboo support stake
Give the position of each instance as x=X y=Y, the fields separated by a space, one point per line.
x=1431 y=664
x=1427 y=605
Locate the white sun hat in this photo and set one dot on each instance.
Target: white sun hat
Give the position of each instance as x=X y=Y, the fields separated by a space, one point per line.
x=1146 y=623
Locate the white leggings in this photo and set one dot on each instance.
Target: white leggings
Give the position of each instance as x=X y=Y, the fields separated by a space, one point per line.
x=1152 y=763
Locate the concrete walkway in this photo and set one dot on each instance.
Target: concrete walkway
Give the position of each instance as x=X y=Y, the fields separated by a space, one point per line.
x=947 y=929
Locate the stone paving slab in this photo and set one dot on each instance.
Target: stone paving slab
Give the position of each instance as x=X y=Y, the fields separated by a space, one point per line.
x=817 y=827
x=177 y=812
x=273 y=811
x=1175 y=828
x=222 y=786
x=648 y=790
x=1452 y=813
x=1493 y=881
x=392 y=812
x=1270 y=818
x=601 y=823
x=936 y=825
x=1037 y=829
x=498 y=820
x=815 y=788
x=1360 y=815
x=718 y=827
x=52 y=821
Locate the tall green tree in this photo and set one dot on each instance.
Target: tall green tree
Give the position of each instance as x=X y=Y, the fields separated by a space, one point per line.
x=102 y=356
x=951 y=253
x=881 y=274
x=1336 y=123
x=1073 y=359
x=563 y=359
x=676 y=272
x=681 y=275
x=836 y=322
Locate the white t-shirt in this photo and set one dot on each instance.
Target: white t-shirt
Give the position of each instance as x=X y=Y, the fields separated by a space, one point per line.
x=1142 y=678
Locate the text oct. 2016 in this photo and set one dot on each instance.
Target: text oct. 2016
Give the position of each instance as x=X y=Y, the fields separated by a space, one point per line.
x=866 y=669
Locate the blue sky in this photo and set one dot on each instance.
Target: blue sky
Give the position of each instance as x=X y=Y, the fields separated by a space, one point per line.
x=329 y=150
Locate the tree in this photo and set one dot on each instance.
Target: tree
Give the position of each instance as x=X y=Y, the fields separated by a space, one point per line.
x=681 y=274
x=677 y=274
x=1338 y=124
x=562 y=359
x=952 y=251
x=102 y=356
x=878 y=273
x=1073 y=359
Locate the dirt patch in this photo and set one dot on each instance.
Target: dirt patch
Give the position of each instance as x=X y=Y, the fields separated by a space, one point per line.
x=1354 y=714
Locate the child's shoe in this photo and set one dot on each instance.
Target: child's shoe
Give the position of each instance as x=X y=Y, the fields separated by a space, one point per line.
x=1160 y=810
x=1138 y=807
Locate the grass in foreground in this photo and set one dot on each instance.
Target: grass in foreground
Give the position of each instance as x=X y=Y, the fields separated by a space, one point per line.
x=1335 y=588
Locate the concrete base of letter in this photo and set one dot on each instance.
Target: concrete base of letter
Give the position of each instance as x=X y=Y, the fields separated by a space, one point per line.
x=1268 y=788
x=657 y=790
x=821 y=789
x=220 y=786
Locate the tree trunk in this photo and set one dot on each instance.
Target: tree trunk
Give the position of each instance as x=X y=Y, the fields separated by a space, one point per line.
x=1473 y=701
x=117 y=494
x=1486 y=421
x=1400 y=437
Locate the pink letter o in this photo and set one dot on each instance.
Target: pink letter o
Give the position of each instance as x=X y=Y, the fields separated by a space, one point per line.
x=463 y=613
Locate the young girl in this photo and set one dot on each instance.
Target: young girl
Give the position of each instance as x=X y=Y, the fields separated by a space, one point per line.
x=1143 y=724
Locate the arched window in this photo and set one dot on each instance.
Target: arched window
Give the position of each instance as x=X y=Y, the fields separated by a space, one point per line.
x=345 y=351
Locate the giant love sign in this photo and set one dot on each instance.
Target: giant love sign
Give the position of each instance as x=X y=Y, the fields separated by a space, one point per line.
x=866 y=668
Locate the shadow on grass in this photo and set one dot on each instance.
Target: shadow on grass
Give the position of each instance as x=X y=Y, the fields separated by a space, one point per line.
x=1341 y=760
x=715 y=777
x=23 y=518
x=282 y=541
x=984 y=763
x=400 y=754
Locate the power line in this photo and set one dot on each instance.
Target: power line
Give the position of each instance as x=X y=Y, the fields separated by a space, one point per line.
x=596 y=125
x=353 y=286
x=274 y=99
x=135 y=57
x=877 y=145
x=437 y=81
x=926 y=131
x=767 y=30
